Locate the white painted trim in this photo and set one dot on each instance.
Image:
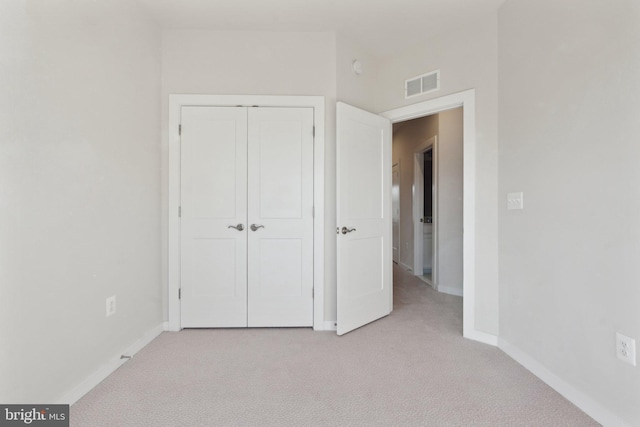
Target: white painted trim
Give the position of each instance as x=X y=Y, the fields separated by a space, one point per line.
x=399 y=208
x=467 y=100
x=405 y=266
x=327 y=325
x=587 y=404
x=175 y=104
x=165 y=326
x=75 y=394
x=417 y=205
x=482 y=337
x=450 y=290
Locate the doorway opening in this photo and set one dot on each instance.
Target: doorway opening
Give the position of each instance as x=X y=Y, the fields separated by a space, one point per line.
x=431 y=147
x=466 y=100
x=433 y=190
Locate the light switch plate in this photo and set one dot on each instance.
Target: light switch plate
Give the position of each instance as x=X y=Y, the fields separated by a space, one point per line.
x=515 y=201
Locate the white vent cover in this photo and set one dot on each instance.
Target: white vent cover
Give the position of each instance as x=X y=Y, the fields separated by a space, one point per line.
x=422 y=84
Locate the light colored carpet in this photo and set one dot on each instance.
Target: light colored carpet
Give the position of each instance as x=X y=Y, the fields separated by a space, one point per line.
x=412 y=368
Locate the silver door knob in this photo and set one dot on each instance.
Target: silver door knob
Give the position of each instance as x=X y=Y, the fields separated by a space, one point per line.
x=238 y=227
x=254 y=227
x=346 y=230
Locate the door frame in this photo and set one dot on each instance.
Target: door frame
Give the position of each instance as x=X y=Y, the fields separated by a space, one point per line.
x=176 y=102
x=467 y=100
x=399 y=209
x=418 y=207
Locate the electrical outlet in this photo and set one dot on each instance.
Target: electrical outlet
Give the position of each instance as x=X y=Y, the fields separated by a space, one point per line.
x=111 y=306
x=626 y=349
x=515 y=201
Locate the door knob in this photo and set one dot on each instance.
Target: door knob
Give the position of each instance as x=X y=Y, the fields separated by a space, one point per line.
x=238 y=227
x=254 y=227
x=346 y=230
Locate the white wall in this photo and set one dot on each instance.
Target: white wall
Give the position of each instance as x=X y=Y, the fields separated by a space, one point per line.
x=79 y=190
x=449 y=225
x=255 y=63
x=569 y=270
x=353 y=89
x=467 y=58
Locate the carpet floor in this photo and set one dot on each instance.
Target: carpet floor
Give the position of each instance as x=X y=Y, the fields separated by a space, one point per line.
x=411 y=368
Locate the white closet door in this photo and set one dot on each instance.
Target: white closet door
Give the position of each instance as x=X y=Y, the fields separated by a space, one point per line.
x=213 y=199
x=280 y=217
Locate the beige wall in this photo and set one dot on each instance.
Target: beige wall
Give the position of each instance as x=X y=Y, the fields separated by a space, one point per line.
x=255 y=63
x=356 y=90
x=80 y=190
x=569 y=270
x=467 y=58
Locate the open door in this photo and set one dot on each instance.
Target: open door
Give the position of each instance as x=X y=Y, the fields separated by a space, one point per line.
x=364 y=264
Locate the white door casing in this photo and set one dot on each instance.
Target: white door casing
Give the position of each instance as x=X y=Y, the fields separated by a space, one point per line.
x=173 y=232
x=213 y=189
x=465 y=99
x=418 y=209
x=280 y=279
x=364 y=261
x=395 y=203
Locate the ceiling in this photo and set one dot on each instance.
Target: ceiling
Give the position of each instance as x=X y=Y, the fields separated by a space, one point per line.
x=380 y=26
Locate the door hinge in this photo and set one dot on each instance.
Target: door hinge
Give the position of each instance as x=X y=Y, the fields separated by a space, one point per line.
x=180 y=130
x=179 y=211
x=179 y=293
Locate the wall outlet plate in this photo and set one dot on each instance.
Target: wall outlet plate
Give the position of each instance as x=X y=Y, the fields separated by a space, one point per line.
x=515 y=201
x=111 y=306
x=626 y=349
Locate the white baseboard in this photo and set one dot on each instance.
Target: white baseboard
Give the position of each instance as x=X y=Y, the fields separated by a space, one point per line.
x=327 y=325
x=405 y=266
x=482 y=337
x=165 y=326
x=107 y=369
x=588 y=405
x=450 y=290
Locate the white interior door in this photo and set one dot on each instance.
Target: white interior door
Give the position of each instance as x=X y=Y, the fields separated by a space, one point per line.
x=280 y=217
x=213 y=183
x=247 y=217
x=364 y=215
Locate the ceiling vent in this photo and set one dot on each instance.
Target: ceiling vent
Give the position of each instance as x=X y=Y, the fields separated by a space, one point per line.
x=422 y=84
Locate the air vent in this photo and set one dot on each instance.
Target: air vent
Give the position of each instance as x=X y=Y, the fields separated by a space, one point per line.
x=422 y=84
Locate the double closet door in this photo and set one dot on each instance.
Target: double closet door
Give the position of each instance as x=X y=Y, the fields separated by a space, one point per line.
x=246 y=217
